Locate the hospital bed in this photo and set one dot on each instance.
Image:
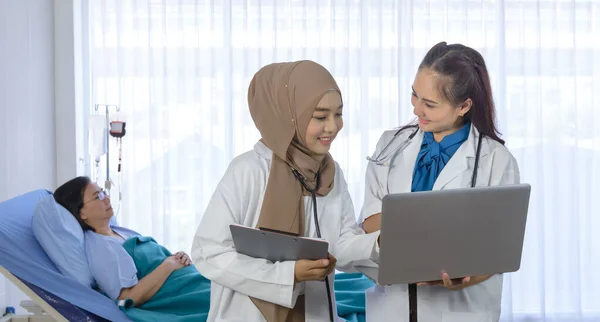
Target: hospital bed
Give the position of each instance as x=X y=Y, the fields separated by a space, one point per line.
x=25 y=264
x=56 y=297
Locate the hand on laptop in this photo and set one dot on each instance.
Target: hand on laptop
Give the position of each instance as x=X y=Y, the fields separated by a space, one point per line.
x=455 y=283
x=447 y=282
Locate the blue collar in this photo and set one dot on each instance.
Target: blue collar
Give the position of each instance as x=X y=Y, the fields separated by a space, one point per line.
x=434 y=156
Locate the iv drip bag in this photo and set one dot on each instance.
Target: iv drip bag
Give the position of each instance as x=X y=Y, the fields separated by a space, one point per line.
x=97 y=135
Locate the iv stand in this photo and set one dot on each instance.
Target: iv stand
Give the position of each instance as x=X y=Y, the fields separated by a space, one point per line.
x=107 y=184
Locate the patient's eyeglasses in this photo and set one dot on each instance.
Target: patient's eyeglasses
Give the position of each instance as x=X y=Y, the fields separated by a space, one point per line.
x=101 y=196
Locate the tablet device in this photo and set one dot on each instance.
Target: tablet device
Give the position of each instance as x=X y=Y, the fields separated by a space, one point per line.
x=276 y=246
x=463 y=232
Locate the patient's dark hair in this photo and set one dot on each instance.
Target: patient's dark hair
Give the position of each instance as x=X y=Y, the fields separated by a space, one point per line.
x=70 y=196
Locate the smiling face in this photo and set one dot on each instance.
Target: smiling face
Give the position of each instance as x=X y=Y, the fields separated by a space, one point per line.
x=436 y=114
x=325 y=124
x=96 y=206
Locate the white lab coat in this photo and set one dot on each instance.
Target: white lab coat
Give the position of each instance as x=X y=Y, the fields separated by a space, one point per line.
x=479 y=302
x=235 y=277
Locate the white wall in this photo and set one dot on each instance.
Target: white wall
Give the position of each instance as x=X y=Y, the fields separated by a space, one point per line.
x=27 y=122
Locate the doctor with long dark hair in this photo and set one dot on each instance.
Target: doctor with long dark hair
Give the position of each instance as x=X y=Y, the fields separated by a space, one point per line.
x=455 y=144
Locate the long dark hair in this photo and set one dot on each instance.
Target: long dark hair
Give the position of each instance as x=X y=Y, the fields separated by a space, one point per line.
x=463 y=75
x=70 y=196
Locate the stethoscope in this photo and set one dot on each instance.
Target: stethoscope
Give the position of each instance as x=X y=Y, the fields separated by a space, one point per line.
x=383 y=159
x=313 y=193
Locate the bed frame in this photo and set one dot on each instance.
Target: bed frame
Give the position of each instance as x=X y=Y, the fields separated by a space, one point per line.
x=40 y=309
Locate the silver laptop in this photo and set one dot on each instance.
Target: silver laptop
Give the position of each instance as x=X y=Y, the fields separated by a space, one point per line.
x=464 y=232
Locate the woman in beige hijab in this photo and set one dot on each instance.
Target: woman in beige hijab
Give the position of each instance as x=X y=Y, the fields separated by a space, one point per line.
x=297 y=107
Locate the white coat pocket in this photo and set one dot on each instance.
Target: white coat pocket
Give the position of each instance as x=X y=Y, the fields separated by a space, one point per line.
x=382 y=305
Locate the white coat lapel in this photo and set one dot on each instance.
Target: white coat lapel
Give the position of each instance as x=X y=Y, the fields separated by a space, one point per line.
x=460 y=161
x=404 y=166
x=457 y=165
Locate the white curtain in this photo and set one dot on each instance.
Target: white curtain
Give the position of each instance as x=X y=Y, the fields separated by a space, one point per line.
x=179 y=70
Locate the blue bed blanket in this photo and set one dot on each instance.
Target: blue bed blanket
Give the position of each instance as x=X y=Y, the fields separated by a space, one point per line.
x=185 y=295
x=350 y=296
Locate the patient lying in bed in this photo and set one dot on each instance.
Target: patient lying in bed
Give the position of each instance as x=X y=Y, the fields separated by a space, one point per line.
x=147 y=281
